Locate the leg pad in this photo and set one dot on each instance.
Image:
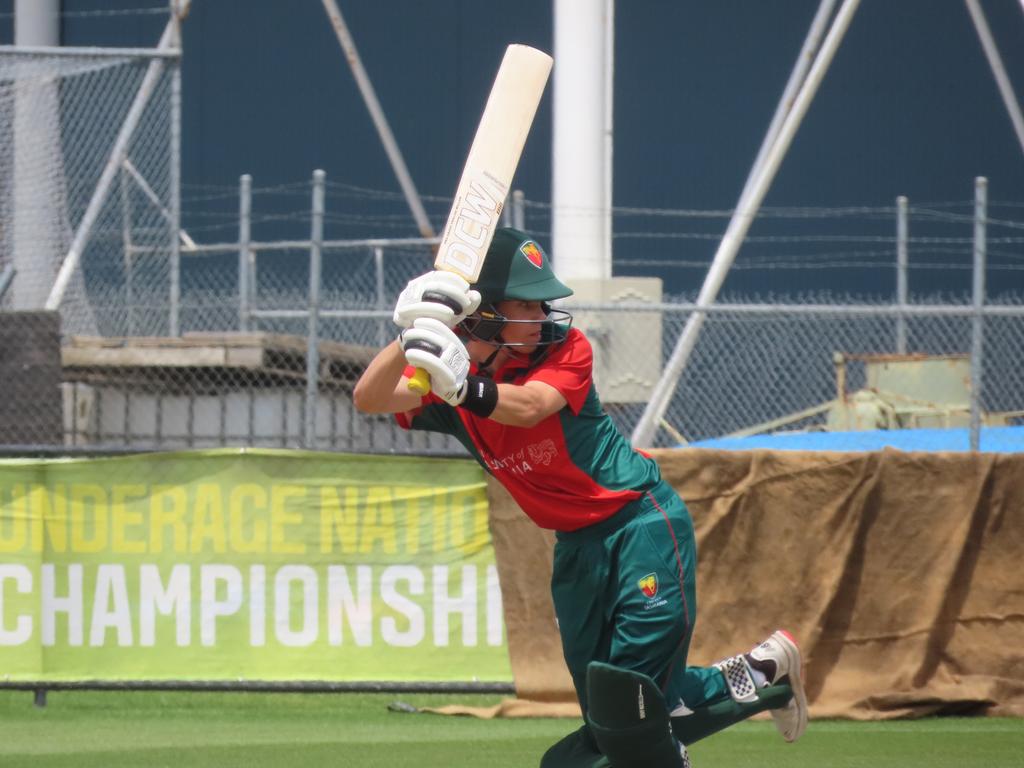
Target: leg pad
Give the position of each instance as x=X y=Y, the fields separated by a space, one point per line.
x=629 y=719
x=577 y=750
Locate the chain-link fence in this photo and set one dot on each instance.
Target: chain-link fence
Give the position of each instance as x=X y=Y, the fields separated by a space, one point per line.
x=88 y=185
x=274 y=334
x=760 y=368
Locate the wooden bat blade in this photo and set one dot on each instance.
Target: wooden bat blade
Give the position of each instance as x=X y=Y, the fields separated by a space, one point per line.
x=490 y=166
x=493 y=157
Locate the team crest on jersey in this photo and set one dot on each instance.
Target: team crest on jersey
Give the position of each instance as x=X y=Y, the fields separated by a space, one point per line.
x=533 y=253
x=649 y=585
x=543 y=452
x=525 y=459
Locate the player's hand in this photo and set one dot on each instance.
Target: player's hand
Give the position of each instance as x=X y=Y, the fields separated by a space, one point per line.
x=442 y=296
x=432 y=345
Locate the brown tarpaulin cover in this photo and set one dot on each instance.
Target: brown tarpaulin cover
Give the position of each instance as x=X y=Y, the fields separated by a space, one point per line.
x=899 y=573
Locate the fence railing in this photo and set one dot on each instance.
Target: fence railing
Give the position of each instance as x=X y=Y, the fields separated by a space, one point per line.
x=757 y=368
x=273 y=334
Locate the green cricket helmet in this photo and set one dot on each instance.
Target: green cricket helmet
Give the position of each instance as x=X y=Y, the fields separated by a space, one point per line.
x=516 y=268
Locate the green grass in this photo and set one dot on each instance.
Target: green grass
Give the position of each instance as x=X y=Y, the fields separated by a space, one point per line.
x=260 y=730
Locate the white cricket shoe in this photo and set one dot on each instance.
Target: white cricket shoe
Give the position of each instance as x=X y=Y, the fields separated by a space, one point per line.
x=778 y=658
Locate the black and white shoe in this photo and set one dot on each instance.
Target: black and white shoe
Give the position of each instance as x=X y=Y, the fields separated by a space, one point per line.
x=778 y=659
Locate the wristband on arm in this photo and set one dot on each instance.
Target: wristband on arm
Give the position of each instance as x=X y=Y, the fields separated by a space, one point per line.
x=481 y=396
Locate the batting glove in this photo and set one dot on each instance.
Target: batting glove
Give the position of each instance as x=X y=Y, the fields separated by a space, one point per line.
x=443 y=296
x=432 y=345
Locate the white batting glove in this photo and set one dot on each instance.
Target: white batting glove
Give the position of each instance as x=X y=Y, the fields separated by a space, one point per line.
x=443 y=296
x=432 y=345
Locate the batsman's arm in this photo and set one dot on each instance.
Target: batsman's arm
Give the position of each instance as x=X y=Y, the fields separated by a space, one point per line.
x=382 y=388
x=526 y=405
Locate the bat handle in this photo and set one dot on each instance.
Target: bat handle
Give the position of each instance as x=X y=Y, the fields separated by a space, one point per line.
x=420 y=382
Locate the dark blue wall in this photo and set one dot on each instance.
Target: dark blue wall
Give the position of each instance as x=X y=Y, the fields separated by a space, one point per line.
x=6 y=22
x=909 y=107
x=276 y=98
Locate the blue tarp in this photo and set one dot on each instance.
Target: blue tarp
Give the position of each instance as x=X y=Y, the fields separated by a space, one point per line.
x=993 y=440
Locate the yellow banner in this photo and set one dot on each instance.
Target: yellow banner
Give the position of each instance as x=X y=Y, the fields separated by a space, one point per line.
x=248 y=565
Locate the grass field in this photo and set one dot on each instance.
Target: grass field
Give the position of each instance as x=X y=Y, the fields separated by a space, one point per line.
x=260 y=730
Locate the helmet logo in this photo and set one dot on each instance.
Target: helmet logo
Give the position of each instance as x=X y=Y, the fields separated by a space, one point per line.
x=533 y=253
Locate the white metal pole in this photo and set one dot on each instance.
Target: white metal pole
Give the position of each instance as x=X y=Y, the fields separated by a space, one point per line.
x=37 y=22
x=998 y=70
x=579 y=153
x=608 y=131
x=644 y=432
x=387 y=138
x=117 y=154
x=977 y=320
x=154 y=198
x=812 y=43
x=35 y=130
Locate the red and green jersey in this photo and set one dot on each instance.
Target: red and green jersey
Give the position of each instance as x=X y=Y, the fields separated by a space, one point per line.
x=571 y=470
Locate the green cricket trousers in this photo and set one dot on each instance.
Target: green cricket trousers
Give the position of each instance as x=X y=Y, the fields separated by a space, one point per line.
x=625 y=593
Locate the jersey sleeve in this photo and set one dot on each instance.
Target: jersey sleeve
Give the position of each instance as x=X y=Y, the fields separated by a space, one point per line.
x=569 y=369
x=425 y=416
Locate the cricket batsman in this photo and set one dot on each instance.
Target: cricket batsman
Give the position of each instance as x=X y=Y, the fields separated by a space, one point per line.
x=512 y=381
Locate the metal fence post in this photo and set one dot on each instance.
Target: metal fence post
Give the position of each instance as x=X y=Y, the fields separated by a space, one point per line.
x=313 y=342
x=901 y=272
x=378 y=265
x=129 y=254
x=174 y=177
x=6 y=278
x=519 y=209
x=244 y=254
x=977 y=319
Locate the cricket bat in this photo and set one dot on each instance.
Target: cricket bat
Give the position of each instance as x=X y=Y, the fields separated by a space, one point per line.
x=490 y=166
